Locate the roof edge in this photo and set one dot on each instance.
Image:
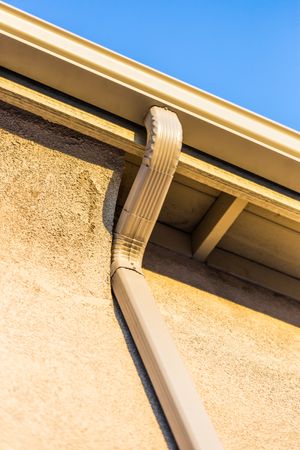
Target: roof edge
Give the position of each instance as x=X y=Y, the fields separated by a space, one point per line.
x=126 y=88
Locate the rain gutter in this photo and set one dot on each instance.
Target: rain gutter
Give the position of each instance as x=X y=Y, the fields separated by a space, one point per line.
x=75 y=66
x=175 y=389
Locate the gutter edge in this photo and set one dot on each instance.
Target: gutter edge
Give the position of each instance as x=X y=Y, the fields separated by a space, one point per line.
x=211 y=124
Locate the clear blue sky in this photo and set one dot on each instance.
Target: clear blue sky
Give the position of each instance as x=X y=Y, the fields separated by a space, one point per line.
x=245 y=51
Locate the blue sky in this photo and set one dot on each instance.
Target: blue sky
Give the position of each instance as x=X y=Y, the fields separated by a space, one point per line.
x=247 y=52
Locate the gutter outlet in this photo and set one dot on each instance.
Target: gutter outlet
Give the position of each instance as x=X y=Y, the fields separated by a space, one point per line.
x=174 y=387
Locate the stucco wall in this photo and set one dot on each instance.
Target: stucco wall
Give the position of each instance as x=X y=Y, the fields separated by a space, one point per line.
x=67 y=378
x=241 y=344
x=70 y=377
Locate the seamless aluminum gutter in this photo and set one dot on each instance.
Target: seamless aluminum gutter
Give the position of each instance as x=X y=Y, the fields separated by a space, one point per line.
x=75 y=66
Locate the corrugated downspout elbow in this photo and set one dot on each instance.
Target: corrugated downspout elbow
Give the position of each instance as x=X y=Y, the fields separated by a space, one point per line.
x=175 y=389
x=150 y=187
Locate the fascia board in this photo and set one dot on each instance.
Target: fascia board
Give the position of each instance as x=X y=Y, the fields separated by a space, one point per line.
x=98 y=76
x=129 y=137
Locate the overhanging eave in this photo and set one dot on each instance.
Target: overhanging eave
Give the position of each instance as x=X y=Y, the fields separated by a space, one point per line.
x=100 y=77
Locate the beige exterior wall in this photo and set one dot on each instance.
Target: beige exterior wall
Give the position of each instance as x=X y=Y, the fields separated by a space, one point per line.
x=241 y=344
x=67 y=379
x=70 y=377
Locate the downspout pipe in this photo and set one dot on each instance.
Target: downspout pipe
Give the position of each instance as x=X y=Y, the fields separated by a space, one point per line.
x=188 y=420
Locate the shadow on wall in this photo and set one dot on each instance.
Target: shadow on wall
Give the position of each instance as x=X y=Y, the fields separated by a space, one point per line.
x=31 y=127
x=145 y=380
x=193 y=273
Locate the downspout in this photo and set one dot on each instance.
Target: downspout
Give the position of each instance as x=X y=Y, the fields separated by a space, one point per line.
x=174 y=387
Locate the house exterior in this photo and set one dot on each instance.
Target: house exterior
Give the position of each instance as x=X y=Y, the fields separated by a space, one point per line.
x=223 y=261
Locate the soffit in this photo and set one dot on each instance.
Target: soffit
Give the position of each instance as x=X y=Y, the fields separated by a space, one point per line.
x=257 y=235
x=262 y=244
x=265 y=242
x=184 y=206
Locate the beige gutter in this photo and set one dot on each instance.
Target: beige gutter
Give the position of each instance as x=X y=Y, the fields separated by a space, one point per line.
x=175 y=389
x=119 y=85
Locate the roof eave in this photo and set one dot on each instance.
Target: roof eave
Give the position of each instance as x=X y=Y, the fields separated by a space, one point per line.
x=91 y=73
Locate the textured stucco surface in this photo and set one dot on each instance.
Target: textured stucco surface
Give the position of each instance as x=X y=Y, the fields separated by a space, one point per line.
x=240 y=343
x=67 y=378
x=70 y=377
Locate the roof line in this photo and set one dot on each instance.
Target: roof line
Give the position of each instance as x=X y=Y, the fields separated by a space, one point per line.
x=126 y=88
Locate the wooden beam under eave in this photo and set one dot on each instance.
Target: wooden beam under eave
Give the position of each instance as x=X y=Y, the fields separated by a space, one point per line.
x=215 y=224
